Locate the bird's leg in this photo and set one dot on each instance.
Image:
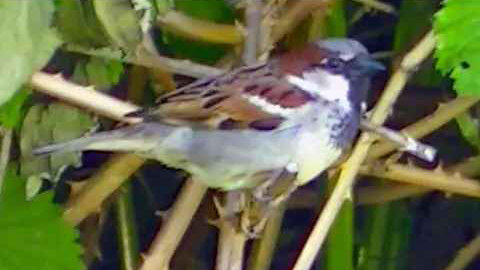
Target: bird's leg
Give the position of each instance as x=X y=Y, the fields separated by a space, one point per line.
x=261 y=192
x=265 y=199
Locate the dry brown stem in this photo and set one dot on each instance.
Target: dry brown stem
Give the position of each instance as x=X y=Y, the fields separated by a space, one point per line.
x=168 y=238
x=206 y=31
x=378 y=5
x=465 y=255
x=232 y=240
x=427 y=125
x=436 y=179
x=101 y=185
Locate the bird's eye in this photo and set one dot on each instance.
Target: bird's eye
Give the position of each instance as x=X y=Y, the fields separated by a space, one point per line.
x=335 y=65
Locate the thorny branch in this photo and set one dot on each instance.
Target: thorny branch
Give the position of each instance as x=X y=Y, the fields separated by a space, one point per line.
x=167 y=239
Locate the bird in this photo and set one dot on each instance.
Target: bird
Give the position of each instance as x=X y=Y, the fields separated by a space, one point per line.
x=295 y=114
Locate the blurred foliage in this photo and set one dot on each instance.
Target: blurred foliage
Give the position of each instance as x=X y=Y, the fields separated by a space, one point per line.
x=12 y=112
x=47 y=124
x=101 y=73
x=27 y=42
x=120 y=21
x=77 y=23
x=34 y=234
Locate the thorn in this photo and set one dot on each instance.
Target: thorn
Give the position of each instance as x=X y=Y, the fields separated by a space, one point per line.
x=163 y=214
x=393 y=158
x=219 y=207
x=214 y=222
x=439 y=168
x=240 y=27
x=441 y=105
x=410 y=162
x=90 y=88
x=457 y=175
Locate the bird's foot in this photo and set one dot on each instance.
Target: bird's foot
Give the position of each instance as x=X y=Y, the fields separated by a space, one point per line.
x=256 y=214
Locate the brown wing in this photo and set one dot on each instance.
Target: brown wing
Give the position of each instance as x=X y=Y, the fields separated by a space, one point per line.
x=224 y=101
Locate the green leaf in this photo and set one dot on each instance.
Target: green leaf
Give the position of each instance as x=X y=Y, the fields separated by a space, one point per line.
x=120 y=21
x=469 y=128
x=11 y=113
x=103 y=73
x=27 y=42
x=387 y=233
x=458 y=34
x=33 y=233
x=336 y=23
x=100 y=72
x=340 y=240
x=77 y=23
x=45 y=125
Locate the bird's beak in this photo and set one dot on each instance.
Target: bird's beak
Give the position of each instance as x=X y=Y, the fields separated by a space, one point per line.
x=366 y=64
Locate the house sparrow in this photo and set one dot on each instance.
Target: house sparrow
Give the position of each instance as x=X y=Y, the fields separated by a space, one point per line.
x=256 y=123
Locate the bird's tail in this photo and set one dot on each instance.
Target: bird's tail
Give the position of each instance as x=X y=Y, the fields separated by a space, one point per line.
x=136 y=138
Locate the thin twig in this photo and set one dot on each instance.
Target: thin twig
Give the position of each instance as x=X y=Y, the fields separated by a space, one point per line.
x=253 y=16
x=388 y=192
x=465 y=255
x=202 y=30
x=86 y=97
x=7 y=135
x=296 y=14
x=148 y=59
x=427 y=125
x=231 y=241
x=385 y=193
x=126 y=230
x=352 y=165
x=406 y=143
x=264 y=248
x=436 y=179
x=276 y=23
x=378 y=5
x=165 y=243
x=100 y=186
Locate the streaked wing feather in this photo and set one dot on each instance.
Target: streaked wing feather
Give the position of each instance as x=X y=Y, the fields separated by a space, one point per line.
x=223 y=101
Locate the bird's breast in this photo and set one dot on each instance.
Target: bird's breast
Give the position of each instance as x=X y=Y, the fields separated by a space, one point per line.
x=323 y=140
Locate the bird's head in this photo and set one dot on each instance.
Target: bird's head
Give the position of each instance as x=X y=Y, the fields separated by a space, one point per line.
x=337 y=69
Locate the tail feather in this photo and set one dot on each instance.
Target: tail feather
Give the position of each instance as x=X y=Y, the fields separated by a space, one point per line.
x=132 y=138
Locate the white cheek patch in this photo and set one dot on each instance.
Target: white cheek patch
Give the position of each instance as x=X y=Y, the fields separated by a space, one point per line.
x=328 y=86
x=267 y=106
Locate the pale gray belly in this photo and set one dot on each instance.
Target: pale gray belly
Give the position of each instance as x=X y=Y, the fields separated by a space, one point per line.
x=227 y=159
